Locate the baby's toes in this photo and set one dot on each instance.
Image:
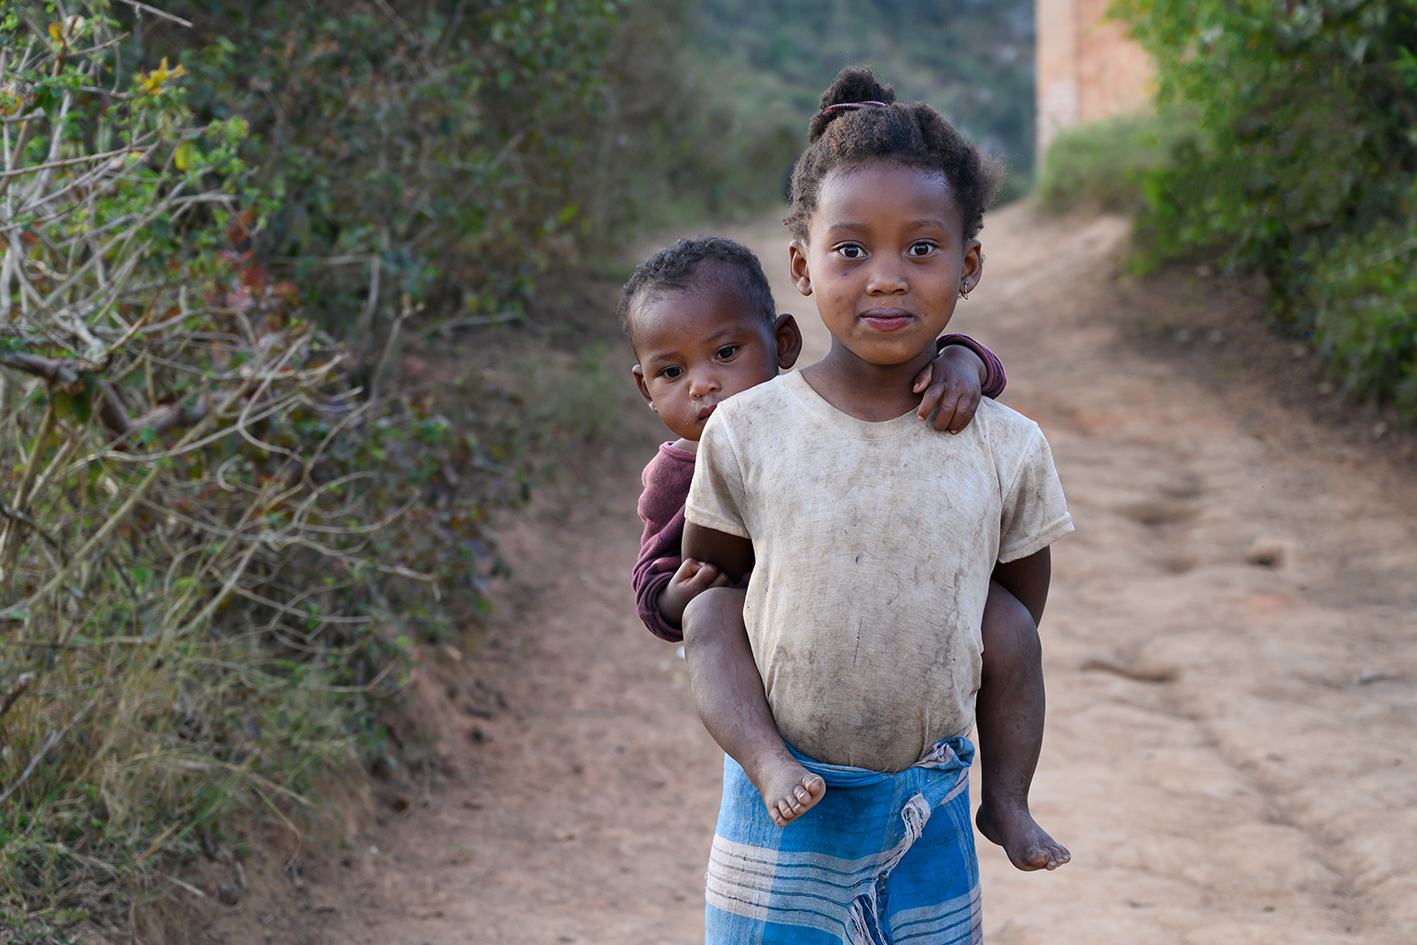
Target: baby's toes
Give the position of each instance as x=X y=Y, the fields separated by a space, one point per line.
x=1036 y=858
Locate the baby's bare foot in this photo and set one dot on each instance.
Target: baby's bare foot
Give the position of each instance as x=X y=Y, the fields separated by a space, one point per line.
x=1028 y=846
x=789 y=790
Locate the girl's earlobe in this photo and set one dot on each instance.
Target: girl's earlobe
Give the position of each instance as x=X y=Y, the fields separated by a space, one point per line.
x=973 y=268
x=797 y=266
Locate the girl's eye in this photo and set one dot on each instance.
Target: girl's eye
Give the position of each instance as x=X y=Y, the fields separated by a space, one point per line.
x=851 y=251
x=670 y=373
x=727 y=352
x=921 y=248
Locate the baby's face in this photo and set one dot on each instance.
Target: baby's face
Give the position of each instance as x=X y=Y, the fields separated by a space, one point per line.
x=697 y=348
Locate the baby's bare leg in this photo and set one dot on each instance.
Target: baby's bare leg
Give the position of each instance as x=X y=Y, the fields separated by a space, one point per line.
x=1009 y=712
x=729 y=695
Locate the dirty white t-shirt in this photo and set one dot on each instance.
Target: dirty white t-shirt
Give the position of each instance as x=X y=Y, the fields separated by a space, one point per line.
x=873 y=546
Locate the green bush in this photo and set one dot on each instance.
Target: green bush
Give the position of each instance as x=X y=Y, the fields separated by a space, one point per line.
x=1364 y=316
x=440 y=151
x=1105 y=164
x=217 y=554
x=1305 y=167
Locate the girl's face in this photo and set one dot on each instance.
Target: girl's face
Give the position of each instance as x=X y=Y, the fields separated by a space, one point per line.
x=699 y=347
x=886 y=258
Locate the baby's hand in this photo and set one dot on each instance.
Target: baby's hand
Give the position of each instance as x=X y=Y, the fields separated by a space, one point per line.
x=953 y=381
x=691 y=580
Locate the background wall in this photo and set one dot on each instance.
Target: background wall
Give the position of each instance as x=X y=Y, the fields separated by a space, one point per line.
x=1088 y=68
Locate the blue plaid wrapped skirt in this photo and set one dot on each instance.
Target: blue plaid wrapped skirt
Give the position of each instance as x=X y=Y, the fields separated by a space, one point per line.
x=883 y=859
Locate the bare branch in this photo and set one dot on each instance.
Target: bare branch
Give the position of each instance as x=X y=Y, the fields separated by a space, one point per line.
x=290 y=608
x=156 y=12
x=22 y=682
x=69 y=162
x=48 y=742
x=160 y=420
x=62 y=373
x=16 y=515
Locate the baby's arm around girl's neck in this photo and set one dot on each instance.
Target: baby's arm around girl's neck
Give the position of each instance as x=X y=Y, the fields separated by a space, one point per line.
x=730 y=554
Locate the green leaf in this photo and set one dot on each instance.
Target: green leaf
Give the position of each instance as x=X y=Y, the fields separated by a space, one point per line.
x=78 y=406
x=186 y=156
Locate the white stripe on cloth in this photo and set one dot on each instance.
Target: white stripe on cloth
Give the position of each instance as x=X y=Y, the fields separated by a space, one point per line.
x=929 y=923
x=743 y=878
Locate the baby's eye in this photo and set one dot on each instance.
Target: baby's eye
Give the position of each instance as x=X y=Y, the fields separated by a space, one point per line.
x=671 y=373
x=921 y=248
x=727 y=352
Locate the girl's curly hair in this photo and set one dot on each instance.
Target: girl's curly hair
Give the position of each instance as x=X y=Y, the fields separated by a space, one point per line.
x=913 y=134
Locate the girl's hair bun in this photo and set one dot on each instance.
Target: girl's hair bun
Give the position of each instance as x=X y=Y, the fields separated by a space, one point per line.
x=882 y=129
x=853 y=84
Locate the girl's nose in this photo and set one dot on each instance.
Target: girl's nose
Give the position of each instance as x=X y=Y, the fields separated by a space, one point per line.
x=887 y=278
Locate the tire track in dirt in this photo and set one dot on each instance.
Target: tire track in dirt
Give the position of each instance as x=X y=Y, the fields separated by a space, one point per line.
x=1229 y=740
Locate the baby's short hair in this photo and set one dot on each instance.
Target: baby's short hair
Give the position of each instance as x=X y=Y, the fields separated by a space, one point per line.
x=676 y=268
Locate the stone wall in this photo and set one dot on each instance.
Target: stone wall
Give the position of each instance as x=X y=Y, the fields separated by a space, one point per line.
x=1087 y=67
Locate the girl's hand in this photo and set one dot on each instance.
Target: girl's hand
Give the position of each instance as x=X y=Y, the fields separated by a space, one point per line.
x=691 y=580
x=952 y=381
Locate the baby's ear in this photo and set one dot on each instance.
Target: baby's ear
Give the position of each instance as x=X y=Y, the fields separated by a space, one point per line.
x=789 y=341
x=639 y=373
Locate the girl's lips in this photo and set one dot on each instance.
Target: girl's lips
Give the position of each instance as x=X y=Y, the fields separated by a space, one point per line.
x=889 y=320
x=705 y=411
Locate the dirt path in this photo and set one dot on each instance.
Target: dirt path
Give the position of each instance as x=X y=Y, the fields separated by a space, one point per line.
x=1230 y=744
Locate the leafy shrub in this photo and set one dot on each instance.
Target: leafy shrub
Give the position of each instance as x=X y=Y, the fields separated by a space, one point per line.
x=216 y=553
x=1305 y=166
x=1364 y=319
x=428 y=149
x=1105 y=164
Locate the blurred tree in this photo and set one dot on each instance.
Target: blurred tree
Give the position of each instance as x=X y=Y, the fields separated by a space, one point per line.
x=438 y=149
x=973 y=60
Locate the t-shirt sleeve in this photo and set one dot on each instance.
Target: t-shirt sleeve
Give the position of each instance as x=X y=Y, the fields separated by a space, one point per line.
x=1035 y=514
x=716 y=494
